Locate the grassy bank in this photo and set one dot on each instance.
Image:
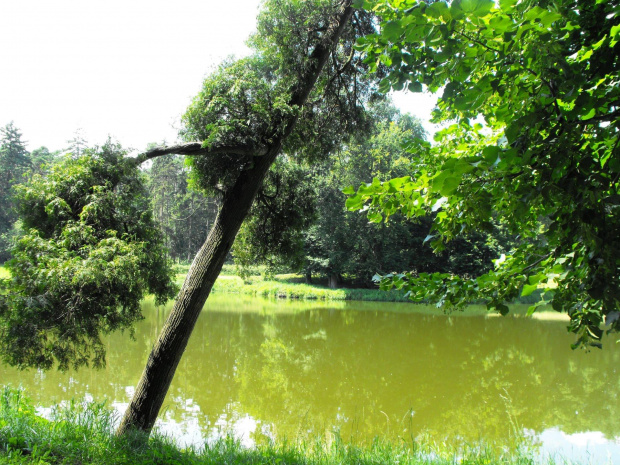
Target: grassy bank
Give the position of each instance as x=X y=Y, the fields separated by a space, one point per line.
x=284 y=286
x=291 y=286
x=84 y=434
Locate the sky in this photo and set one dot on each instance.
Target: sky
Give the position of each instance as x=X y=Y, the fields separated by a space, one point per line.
x=121 y=68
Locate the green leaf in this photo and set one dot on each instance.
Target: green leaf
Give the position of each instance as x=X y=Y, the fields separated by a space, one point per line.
x=528 y=289
x=532 y=308
x=449 y=186
x=385 y=86
x=415 y=86
x=501 y=24
x=614 y=32
x=398 y=183
x=588 y=115
x=462 y=167
x=392 y=30
x=439 y=10
x=585 y=55
x=599 y=44
x=507 y=5
x=369 y=188
x=471 y=8
x=375 y=217
x=354 y=203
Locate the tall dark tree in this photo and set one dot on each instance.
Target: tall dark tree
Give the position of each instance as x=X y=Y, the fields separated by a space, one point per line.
x=341 y=243
x=14 y=162
x=248 y=112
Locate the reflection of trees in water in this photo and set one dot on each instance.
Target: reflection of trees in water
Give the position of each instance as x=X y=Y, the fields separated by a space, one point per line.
x=467 y=377
x=365 y=373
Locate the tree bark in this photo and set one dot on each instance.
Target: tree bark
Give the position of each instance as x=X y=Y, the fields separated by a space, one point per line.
x=196 y=148
x=166 y=354
x=333 y=281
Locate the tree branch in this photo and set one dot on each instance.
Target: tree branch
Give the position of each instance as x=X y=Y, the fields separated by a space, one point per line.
x=196 y=148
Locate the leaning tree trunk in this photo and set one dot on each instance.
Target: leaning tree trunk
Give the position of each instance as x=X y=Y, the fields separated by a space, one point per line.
x=166 y=354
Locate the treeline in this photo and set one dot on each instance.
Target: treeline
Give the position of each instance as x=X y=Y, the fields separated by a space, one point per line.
x=184 y=215
x=299 y=222
x=16 y=164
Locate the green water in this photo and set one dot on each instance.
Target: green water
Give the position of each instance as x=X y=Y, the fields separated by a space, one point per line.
x=260 y=368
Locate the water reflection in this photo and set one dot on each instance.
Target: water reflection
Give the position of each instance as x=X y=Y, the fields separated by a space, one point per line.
x=264 y=369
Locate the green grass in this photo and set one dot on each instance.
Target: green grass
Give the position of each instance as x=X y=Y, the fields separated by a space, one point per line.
x=293 y=286
x=80 y=434
x=283 y=288
x=290 y=286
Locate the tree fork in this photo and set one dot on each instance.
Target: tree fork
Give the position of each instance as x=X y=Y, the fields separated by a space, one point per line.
x=168 y=350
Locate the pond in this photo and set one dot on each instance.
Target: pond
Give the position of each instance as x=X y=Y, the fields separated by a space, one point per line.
x=260 y=368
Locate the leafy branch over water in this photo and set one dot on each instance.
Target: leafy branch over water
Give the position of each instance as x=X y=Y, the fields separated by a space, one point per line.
x=530 y=107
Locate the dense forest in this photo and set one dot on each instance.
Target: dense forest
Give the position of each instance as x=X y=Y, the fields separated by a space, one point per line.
x=307 y=231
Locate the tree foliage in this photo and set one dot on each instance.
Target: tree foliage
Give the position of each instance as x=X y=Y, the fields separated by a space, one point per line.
x=530 y=98
x=14 y=162
x=242 y=105
x=273 y=233
x=299 y=221
x=344 y=243
x=183 y=214
x=89 y=252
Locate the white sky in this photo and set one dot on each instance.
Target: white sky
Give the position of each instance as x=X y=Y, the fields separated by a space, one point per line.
x=125 y=68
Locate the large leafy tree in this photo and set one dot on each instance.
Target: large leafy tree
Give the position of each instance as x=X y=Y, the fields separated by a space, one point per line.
x=530 y=100
x=298 y=93
x=299 y=222
x=341 y=243
x=302 y=92
x=88 y=253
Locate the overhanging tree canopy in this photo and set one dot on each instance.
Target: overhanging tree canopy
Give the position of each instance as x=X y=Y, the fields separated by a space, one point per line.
x=531 y=100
